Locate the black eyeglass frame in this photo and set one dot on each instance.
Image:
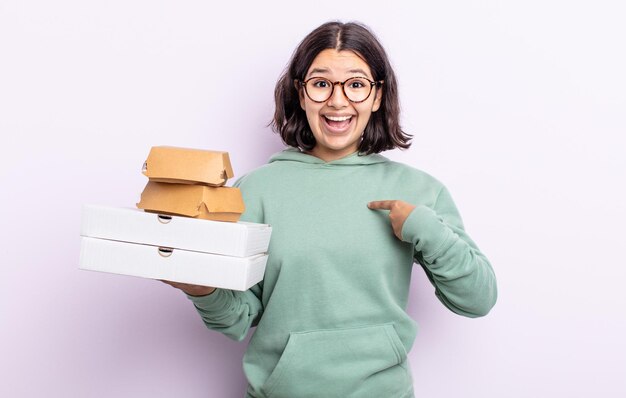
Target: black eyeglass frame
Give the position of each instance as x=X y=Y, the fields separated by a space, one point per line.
x=377 y=83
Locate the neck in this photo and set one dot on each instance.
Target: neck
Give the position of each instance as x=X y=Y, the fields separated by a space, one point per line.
x=329 y=155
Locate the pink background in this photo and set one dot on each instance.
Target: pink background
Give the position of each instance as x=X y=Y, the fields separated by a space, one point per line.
x=518 y=107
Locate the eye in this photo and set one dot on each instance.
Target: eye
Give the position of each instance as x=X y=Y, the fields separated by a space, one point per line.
x=321 y=83
x=356 y=83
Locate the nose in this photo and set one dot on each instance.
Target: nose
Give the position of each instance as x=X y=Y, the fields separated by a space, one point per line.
x=338 y=97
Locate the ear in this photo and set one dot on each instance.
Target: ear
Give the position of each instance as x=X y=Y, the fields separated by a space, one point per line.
x=300 y=91
x=378 y=99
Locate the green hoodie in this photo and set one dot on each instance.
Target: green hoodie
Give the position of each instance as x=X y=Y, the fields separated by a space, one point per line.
x=331 y=311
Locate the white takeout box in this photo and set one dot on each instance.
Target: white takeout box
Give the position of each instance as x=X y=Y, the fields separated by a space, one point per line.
x=129 y=241
x=239 y=239
x=227 y=272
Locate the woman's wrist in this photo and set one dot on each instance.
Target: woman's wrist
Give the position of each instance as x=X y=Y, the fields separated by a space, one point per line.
x=200 y=291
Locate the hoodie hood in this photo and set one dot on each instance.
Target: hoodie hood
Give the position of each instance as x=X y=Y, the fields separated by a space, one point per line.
x=295 y=155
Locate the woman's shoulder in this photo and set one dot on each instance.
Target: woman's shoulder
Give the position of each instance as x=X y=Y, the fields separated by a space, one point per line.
x=412 y=173
x=261 y=176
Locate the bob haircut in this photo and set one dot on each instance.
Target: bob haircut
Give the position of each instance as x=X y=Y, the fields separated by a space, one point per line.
x=383 y=130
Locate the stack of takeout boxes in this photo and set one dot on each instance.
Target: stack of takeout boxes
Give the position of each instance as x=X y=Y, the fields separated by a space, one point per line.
x=189 y=231
x=189 y=182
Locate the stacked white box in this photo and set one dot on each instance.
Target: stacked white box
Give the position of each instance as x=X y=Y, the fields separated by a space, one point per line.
x=212 y=253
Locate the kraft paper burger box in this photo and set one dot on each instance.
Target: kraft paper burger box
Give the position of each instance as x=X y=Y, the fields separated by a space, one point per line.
x=198 y=201
x=187 y=166
x=189 y=182
x=212 y=253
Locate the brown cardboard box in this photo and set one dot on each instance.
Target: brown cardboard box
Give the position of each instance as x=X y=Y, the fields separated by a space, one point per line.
x=187 y=166
x=198 y=201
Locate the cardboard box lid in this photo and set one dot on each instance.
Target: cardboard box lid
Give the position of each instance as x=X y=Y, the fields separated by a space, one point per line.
x=239 y=239
x=189 y=166
x=190 y=200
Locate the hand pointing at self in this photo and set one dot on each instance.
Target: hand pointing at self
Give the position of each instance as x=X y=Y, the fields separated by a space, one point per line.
x=398 y=212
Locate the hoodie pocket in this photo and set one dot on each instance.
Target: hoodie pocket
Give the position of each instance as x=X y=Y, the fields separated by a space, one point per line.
x=362 y=361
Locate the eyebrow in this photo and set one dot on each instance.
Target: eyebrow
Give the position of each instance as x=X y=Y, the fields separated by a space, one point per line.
x=326 y=70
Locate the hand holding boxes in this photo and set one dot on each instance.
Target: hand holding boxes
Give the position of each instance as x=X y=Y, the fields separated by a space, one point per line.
x=181 y=241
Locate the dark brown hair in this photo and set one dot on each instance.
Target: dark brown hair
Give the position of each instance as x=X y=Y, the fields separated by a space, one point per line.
x=383 y=130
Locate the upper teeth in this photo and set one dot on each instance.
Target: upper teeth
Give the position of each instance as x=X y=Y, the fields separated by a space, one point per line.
x=338 y=118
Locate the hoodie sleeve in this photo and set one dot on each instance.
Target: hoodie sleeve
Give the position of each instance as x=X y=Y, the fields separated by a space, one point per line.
x=230 y=312
x=233 y=312
x=461 y=274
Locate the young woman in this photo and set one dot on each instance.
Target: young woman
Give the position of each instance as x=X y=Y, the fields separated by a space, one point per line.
x=348 y=225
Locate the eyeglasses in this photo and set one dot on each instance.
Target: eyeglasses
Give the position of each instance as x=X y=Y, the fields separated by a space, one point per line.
x=356 y=89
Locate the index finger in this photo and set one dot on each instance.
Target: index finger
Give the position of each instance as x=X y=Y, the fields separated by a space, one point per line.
x=381 y=204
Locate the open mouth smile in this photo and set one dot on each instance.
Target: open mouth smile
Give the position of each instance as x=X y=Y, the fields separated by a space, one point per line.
x=337 y=124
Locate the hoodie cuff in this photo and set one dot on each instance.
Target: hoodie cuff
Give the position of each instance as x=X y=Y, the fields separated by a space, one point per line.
x=214 y=302
x=426 y=231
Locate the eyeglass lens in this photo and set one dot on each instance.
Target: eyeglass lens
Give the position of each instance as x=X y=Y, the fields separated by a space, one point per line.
x=357 y=89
